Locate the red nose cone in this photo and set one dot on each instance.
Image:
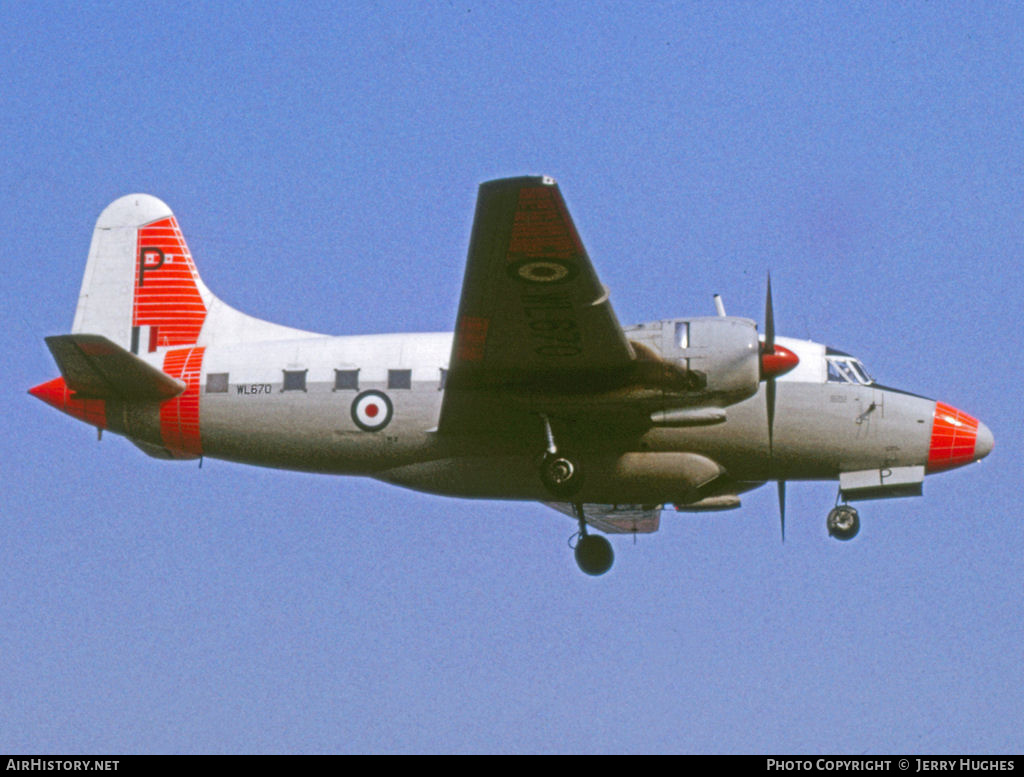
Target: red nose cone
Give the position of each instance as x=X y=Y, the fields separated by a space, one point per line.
x=957 y=439
x=778 y=363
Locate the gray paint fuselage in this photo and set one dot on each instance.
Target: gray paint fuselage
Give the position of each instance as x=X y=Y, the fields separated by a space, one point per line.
x=820 y=429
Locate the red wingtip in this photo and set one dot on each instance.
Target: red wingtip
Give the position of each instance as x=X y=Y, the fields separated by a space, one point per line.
x=777 y=363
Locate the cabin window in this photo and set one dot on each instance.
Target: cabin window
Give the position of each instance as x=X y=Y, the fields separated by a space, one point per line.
x=346 y=379
x=216 y=383
x=399 y=379
x=294 y=380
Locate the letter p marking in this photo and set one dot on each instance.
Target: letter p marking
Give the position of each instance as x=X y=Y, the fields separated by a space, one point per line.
x=155 y=258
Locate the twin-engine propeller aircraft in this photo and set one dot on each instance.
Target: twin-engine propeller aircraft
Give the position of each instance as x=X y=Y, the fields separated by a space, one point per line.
x=539 y=395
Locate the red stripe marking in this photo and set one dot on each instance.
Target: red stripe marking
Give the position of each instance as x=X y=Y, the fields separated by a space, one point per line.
x=542 y=227
x=179 y=417
x=471 y=337
x=169 y=297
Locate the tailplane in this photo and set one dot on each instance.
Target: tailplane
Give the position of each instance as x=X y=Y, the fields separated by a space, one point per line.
x=95 y=368
x=95 y=371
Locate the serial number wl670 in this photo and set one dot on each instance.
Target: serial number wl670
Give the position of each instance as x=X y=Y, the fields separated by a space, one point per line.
x=552 y=324
x=253 y=388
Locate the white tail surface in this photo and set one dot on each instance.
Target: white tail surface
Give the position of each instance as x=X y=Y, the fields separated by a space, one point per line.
x=141 y=289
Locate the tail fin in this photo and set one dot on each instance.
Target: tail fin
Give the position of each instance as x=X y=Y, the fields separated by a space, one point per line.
x=141 y=289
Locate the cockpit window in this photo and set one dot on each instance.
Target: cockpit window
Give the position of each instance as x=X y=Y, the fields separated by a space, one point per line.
x=846 y=369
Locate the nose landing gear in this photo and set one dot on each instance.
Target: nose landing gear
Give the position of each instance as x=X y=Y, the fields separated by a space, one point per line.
x=843 y=522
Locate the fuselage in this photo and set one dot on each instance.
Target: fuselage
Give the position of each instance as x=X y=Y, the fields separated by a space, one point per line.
x=369 y=405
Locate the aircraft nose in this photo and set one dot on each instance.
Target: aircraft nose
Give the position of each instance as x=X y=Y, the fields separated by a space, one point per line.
x=985 y=442
x=957 y=439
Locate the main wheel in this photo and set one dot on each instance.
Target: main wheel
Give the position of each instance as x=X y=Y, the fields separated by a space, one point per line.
x=843 y=522
x=594 y=554
x=561 y=474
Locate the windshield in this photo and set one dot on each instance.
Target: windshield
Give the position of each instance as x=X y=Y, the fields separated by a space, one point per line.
x=846 y=369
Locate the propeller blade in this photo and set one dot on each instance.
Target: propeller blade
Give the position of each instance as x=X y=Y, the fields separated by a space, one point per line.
x=782 y=507
x=768 y=349
x=774 y=362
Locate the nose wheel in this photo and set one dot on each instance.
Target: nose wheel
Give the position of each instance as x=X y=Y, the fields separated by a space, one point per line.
x=843 y=522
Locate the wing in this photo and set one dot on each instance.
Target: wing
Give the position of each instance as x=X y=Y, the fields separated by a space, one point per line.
x=533 y=314
x=615 y=519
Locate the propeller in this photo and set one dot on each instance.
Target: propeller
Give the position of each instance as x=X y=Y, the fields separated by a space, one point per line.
x=776 y=360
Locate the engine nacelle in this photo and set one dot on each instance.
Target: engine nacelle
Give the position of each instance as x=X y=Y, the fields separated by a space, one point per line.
x=724 y=350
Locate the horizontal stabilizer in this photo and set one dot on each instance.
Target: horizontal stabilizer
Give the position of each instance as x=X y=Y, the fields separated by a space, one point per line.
x=96 y=368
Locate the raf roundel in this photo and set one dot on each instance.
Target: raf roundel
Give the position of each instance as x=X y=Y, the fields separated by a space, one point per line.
x=371 y=411
x=550 y=270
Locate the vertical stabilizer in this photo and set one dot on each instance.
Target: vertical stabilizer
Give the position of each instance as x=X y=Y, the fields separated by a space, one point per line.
x=141 y=289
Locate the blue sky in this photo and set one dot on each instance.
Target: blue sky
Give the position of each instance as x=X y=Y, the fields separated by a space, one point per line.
x=323 y=163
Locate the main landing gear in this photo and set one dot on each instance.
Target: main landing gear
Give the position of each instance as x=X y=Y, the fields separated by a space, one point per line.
x=594 y=554
x=562 y=477
x=559 y=471
x=843 y=522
